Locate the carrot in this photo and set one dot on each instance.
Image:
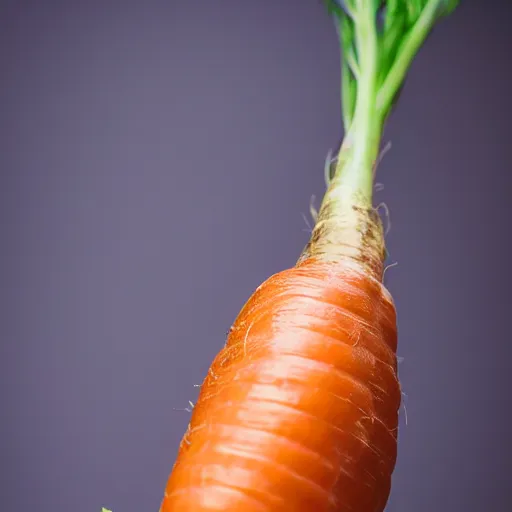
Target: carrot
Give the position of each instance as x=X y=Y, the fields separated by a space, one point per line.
x=299 y=410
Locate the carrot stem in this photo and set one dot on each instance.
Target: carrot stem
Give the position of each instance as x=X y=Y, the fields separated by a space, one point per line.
x=356 y=174
x=348 y=76
x=375 y=59
x=409 y=48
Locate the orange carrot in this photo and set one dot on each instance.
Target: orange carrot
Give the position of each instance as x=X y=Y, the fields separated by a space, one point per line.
x=299 y=410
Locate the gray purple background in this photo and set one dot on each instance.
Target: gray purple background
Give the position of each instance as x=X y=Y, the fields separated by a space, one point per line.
x=156 y=159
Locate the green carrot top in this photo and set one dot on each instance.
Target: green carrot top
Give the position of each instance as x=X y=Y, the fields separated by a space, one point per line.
x=378 y=41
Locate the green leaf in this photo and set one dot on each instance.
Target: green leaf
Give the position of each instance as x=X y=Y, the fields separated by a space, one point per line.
x=447 y=7
x=348 y=80
x=404 y=28
x=414 y=8
x=393 y=9
x=333 y=8
x=390 y=41
x=377 y=4
x=347 y=32
x=103 y=509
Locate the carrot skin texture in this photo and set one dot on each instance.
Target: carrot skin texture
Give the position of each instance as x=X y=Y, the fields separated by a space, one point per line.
x=299 y=410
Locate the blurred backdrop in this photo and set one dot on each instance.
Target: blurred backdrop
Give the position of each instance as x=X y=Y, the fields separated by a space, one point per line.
x=156 y=160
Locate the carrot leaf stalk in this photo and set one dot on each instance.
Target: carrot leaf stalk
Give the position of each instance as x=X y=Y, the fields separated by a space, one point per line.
x=378 y=42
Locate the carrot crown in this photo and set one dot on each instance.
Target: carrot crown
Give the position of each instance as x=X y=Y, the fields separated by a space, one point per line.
x=378 y=41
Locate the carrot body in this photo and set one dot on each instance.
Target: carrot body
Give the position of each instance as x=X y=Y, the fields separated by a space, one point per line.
x=299 y=410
